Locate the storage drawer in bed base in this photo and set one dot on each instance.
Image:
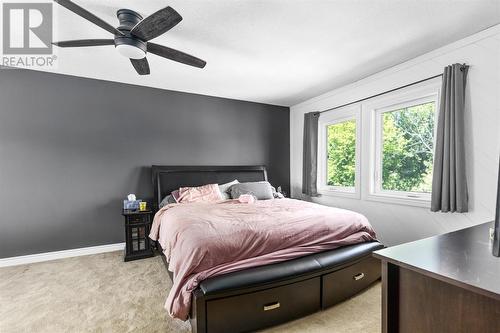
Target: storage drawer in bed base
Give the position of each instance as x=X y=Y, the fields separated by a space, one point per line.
x=249 y=312
x=348 y=281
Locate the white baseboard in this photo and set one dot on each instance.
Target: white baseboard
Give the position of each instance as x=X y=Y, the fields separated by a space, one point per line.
x=39 y=257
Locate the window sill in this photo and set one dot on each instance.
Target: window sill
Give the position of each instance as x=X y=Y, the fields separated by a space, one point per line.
x=400 y=200
x=339 y=193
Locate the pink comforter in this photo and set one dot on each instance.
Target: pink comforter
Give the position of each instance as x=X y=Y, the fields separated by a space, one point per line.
x=201 y=240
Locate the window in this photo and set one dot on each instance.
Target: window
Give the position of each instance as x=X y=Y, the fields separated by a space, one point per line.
x=404 y=150
x=338 y=167
x=381 y=149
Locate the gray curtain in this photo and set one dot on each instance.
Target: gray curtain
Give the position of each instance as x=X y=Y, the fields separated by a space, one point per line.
x=310 y=157
x=449 y=184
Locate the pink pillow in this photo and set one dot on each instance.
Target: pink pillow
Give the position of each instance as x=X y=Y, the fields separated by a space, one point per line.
x=205 y=193
x=175 y=195
x=246 y=198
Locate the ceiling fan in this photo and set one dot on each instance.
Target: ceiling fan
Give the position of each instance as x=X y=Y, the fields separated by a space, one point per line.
x=131 y=37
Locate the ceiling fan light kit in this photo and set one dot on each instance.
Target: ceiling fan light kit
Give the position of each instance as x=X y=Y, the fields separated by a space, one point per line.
x=130 y=49
x=131 y=37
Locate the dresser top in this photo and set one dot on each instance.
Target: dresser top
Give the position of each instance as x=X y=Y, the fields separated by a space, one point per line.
x=463 y=258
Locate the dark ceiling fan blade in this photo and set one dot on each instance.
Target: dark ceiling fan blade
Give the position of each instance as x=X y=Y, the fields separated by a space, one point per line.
x=156 y=24
x=141 y=66
x=88 y=16
x=175 y=55
x=84 y=42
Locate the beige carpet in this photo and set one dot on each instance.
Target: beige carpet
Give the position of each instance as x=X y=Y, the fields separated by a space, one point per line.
x=101 y=293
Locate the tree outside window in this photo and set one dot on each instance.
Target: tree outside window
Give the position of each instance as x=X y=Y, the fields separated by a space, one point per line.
x=408 y=148
x=341 y=146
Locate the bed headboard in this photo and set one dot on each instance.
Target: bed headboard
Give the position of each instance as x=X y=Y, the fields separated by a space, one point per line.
x=167 y=178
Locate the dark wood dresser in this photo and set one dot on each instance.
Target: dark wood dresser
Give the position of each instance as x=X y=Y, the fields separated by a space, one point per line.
x=446 y=283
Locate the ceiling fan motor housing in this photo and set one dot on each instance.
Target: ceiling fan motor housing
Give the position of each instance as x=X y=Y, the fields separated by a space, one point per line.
x=128 y=19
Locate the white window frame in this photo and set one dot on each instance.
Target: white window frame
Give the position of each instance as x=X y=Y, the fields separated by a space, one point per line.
x=417 y=95
x=352 y=112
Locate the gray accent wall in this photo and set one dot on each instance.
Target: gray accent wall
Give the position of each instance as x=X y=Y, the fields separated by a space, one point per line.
x=72 y=148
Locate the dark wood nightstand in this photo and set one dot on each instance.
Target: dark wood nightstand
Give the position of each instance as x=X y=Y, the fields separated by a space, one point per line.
x=137 y=227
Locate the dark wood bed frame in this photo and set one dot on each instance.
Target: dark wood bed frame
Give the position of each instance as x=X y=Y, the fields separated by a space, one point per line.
x=245 y=308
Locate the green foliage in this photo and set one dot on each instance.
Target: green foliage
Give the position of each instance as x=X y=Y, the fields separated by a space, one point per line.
x=408 y=149
x=407 y=157
x=341 y=153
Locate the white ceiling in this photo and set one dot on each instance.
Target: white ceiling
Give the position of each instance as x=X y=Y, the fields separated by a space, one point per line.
x=274 y=51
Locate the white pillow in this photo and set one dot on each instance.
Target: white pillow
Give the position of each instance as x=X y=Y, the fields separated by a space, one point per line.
x=224 y=188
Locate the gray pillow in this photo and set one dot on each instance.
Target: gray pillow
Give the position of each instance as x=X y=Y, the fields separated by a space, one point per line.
x=224 y=188
x=167 y=200
x=260 y=190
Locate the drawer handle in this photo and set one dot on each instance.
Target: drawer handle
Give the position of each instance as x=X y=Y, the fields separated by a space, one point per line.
x=272 y=306
x=359 y=276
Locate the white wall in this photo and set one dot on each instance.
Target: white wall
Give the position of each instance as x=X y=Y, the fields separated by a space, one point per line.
x=399 y=223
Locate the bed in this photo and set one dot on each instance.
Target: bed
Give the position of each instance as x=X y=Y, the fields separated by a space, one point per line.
x=257 y=297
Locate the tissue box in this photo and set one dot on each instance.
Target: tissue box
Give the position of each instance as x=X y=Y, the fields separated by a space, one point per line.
x=131 y=205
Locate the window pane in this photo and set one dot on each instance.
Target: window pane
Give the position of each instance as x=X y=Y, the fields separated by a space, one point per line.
x=341 y=147
x=408 y=148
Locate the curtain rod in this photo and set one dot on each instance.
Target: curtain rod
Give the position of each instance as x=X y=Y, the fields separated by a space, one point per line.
x=382 y=93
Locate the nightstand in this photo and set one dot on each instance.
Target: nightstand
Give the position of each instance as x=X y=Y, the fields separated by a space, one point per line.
x=137 y=227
